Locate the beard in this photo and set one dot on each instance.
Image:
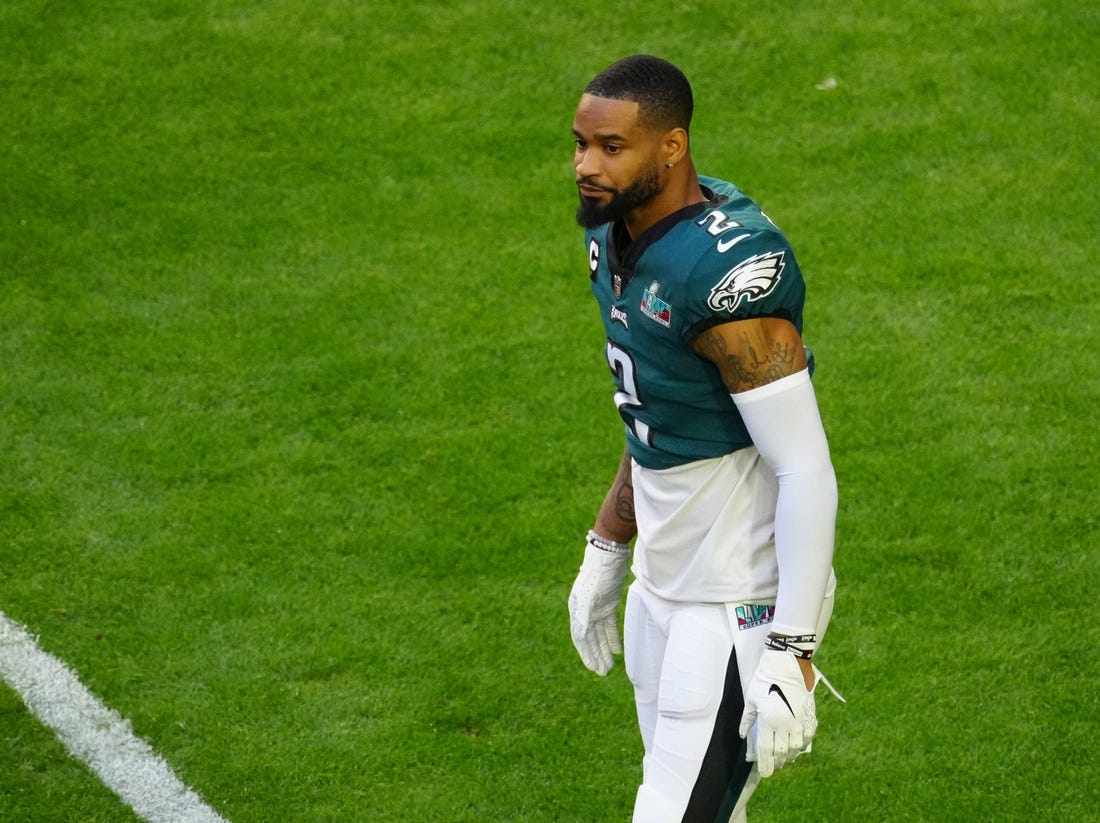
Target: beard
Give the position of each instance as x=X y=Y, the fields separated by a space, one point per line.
x=637 y=194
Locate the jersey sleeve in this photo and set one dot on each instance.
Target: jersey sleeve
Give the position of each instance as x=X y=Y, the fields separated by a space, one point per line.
x=756 y=276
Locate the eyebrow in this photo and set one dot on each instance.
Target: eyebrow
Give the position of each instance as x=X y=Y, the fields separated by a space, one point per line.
x=605 y=138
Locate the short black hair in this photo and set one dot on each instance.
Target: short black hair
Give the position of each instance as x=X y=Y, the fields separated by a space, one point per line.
x=661 y=90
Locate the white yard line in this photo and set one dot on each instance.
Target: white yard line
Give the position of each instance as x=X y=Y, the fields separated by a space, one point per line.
x=95 y=734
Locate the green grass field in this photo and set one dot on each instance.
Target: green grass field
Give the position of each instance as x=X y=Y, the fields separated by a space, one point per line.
x=303 y=411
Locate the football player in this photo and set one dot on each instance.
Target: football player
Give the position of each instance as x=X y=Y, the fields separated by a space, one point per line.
x=726 y=486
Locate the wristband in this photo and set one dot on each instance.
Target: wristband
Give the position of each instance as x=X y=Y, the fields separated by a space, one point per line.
x=607 y=545
x=799 y=645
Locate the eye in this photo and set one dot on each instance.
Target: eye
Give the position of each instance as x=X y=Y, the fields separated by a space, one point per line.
x=581 y=145
x=611 y=148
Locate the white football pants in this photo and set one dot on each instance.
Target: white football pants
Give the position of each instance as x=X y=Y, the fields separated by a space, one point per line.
x=690 y=664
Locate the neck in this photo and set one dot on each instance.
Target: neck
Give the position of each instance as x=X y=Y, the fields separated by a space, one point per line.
x=680 y=189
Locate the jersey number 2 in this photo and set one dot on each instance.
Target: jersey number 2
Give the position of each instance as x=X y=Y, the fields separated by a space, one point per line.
x=622 y=366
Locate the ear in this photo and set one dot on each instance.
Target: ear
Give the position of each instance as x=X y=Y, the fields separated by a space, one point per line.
x=675 y=145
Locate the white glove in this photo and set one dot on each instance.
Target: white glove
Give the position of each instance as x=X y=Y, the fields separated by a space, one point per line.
x=594 y=601
x=780 y=716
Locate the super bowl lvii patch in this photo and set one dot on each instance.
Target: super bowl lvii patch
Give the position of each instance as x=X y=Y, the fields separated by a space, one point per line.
x=654 y=307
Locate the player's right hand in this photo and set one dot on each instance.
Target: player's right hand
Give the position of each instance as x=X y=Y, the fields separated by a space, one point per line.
x=593 y=605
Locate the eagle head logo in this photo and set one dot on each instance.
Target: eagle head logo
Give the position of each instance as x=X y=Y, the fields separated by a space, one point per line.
x=750 y=280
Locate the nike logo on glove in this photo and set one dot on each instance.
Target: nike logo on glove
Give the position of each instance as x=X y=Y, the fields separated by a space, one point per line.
x=775 y=688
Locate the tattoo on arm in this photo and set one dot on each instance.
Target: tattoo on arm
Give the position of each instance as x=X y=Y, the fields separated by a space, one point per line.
x=758 y=361
x=624 y=500
x=616 y=519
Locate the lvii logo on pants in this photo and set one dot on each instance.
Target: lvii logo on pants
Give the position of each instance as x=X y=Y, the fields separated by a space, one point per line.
x=754 y=614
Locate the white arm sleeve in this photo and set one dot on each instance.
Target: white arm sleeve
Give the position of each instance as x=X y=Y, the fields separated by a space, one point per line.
x=785 y=425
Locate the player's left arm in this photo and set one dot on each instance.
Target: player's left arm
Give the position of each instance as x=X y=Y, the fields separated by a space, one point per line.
x=763 y=364
x=754 y=352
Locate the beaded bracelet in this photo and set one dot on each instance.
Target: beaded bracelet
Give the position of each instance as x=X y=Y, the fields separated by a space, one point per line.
x=607 y=545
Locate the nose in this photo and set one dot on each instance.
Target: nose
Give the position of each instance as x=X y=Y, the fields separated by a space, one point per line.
x=584 y=164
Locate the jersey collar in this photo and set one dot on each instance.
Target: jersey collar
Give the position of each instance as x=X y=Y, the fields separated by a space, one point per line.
x=623 y=254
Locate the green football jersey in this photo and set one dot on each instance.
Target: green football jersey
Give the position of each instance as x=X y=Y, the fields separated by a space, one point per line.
x=704 y=265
